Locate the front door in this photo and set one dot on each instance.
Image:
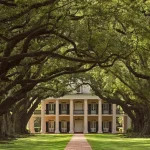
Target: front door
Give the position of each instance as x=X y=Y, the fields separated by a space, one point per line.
x=78 y=126
x=105 y=126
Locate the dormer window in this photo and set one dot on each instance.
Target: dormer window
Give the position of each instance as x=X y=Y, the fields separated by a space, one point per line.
x=79 y=89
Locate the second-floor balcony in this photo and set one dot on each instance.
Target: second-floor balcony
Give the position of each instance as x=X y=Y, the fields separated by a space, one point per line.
x=64 y=109
x=94 y=112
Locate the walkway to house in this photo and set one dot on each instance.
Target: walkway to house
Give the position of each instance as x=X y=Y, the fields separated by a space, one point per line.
x=78 y=142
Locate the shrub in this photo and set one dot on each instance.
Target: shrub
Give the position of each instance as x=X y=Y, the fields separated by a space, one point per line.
x=129 y=130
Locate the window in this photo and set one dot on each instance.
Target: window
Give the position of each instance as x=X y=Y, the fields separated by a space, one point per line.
x=64 y=124
x=105 y=106
x=93 y=124
x=93 y=106
x=51 y=107
x=105 y=124
x=51 y=124
x=37 y=124
x=79 y=89
x=63 y=107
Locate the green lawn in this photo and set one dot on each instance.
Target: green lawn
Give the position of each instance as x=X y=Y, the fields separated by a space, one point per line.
x=39 y=142
x=117 y=142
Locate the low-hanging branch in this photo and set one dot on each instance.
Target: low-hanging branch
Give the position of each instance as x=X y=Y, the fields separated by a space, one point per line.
x=137 y=74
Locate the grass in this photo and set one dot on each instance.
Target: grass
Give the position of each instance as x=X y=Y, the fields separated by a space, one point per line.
x=117 y=142
x=39 y=142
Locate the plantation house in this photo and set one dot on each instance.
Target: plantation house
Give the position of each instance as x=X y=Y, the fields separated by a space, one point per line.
x=78 y=112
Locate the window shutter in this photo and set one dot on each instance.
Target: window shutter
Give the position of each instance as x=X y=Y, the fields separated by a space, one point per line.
x=60 y=126
x=102 y=109
x=47 y=109
x=68 y=109
x=68 y=126
x=102 y=126
x=89 y=128
x=96 y=126
x=54 y=126
x=110 y=126
x=54 y=108
x=96 y=108
x=59 y=108
x=110 y=109
x=47 y=126
x=89 y=108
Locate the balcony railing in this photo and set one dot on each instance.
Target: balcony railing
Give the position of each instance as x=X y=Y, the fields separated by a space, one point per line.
x=92 y=112
x=106 y=111
x=67 y=112
x=36 y=112
x=49 y=112
x=63 y=112
x=78 y=111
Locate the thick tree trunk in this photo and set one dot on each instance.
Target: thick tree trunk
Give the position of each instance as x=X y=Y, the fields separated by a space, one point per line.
x=2 y=129
x=137 y=125
x=141 y=125
x=21 y=124
x=146 y=127
x=6 y=126
x=12 y=125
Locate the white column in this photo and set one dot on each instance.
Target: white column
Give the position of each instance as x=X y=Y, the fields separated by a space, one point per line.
x=28 y=125
x=128 y=122
x=43 y=124
x=31 y=125
x=57 y=117
x=71 y=116
x=85 y=116
x=114 y=119
x=123 y=125
x=100 y=116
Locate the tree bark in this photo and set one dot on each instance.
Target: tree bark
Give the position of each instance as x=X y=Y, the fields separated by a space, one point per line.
x=146 y=127
x=6 y=126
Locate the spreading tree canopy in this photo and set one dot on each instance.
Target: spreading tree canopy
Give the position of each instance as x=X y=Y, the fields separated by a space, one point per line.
x=41 y=40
